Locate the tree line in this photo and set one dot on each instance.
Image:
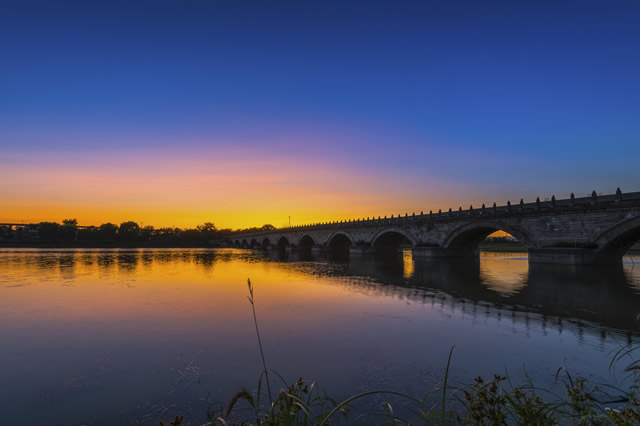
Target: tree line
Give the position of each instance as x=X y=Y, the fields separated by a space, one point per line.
x=127 y=231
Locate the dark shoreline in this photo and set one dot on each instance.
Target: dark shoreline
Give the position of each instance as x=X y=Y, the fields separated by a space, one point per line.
x=182 y=244
x=12 y=244
x=105 y=244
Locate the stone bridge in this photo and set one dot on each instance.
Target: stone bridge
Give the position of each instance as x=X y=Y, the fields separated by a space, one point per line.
x=598 y=229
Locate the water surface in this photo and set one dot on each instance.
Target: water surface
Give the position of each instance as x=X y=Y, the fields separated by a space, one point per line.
x=134 y=336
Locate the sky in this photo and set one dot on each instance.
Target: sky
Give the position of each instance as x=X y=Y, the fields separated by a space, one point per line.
x=241 y=113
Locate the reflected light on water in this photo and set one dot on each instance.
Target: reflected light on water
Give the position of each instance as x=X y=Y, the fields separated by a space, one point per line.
x=173 y=327
x=504 y=277
x=407 y=262
x=632 y=270
x=153 y=283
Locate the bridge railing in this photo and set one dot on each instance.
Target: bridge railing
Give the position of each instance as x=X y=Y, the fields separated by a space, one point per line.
x=594 y=201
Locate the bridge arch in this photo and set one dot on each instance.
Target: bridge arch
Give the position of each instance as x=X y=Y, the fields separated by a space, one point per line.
x=245 y=244
x=393 y=237
x=340 y=239
x=470 y=235
x=614 y=242
x=253 y=243
x=283 y=242
x=306 y=241
x=266 y=243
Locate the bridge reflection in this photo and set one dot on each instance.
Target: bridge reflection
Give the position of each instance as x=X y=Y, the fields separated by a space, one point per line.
x=602 y=299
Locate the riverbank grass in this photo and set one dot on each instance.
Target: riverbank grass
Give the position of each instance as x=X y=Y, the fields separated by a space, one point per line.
x=494 y=401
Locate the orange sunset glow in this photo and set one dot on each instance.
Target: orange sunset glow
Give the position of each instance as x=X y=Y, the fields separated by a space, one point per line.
x=181 y=190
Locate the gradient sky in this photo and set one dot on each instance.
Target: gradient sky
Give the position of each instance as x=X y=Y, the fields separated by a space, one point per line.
x=246 y=112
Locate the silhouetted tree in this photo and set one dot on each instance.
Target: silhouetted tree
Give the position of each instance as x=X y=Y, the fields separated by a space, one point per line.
x=89 y=233
x=108 y=231
x=72 y=223
x=166 y=233
x=190 y=235
x=147 y=233
x=69 y=228
x=224 y=232
x=207 y=231
x=48 y=230
x=129 y=231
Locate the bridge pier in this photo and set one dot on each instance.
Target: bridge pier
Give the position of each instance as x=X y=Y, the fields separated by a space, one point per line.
x=444 y=252
x=361 y=251
x=316 y=249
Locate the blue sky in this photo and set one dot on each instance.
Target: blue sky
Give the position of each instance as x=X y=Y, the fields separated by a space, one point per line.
x=481 y=99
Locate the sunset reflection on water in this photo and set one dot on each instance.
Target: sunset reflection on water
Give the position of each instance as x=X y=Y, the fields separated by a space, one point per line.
x=172 y=328
x=504 y=277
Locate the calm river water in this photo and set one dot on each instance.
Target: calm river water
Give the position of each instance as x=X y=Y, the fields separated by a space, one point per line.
x=125 y=336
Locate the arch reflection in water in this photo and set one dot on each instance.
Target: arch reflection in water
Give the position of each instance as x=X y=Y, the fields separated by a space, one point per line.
x=605 y=295
x=407 y=262
x=504 y=274
x=631 y=264
x=371 y=319
x=601 y=295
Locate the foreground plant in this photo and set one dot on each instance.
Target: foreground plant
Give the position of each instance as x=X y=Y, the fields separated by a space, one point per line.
x=486 y=402
x=255 y=321
x=497 y=402
x=300 y=403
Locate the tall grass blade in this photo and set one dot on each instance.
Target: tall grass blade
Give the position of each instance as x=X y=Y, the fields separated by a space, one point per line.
x=444 y=387
x=255 y=321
